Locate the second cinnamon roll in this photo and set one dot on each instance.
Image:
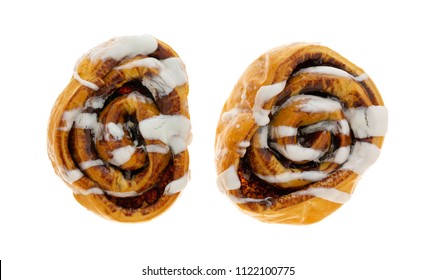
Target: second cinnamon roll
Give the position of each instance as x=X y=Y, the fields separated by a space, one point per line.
x=300 y=127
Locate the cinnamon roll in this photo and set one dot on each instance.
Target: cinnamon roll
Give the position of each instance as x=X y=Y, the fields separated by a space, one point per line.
x=118 y=133
x=300 y=127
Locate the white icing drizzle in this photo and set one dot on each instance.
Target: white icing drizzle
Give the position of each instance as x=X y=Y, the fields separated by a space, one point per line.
x=262 y=138
x=171 y=74
x=362 y=77
x=157 y=149
x=114 y=130
x=362 y=157
x=314 y=104
x=124 y=47
x=296 y=152
x=332 y=71
x=175 y=68
x=228 y=115
x=283 y=131
x=286 y=177
x=84 y=82
x=118 y=48
x=330 y=194
x=243 y=145
x=229 y=180
x=172 y=130
x=90 y=163
x=331 y=126
x=96 y=102
x=87 y=121
x=264 y=94
x=344 y=127
x=325 y=70
x=341 y=155
x=98 y=191
x=94 y=190
x=123 y=194
x=70 y=176
x=267 y=201
x=173 y=187
x=68 y=117
x=138 y=97
x=122 y=155
x=177 y=185
x=148 y=62
x=368 y=121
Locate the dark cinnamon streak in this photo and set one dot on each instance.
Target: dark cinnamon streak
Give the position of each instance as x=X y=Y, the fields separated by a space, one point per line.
x=147 y=198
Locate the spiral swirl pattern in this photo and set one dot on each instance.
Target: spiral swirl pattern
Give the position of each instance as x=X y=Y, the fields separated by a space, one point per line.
x=118 y=133
x=301 y=125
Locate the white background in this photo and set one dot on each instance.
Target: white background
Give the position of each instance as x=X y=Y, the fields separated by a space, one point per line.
x=385 y=230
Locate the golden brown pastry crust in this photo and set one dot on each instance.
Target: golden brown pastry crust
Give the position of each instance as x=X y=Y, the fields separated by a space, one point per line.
x=290 y=144
x=99 y=138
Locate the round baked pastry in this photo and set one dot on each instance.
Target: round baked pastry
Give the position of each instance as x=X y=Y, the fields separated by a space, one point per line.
x=300 y=127
x=118 y=133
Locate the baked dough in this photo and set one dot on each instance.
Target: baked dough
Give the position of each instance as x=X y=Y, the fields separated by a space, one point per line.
x=119 y=131
x=300 y=127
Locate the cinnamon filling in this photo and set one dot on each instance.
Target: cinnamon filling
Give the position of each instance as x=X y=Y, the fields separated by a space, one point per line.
x=83 y=141
x=147 y=198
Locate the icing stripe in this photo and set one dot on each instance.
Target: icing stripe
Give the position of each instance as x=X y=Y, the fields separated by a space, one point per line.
x=341 y=155
x=173 y=187
x=71 y=176
x=267 y=201
x=296 y=152
x=96 y=102
x=283 y=131
x=264 y=94
x=362 y=157
x=157 y=149
x=84 y=82
x=124 y=47
x=90 y=163
x=115 y=130
x=123 y=194
x=368 y=121
x=98 y=191
x=313 y=104
x=328 y=70
x=262 y=138
x=174 y=131
x=87 y=121
x=286 y=177
x=122 y=155
x=242 y=147
x=68 y=117
x=344 y=127
x=330 y=194
x=362 y=77
x=89 y=191
x=171 y=74
x=177 y=185
x=229 y=180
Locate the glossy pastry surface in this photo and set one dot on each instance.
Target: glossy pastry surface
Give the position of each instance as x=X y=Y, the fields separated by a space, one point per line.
x=300 y=127
x=119 y=131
